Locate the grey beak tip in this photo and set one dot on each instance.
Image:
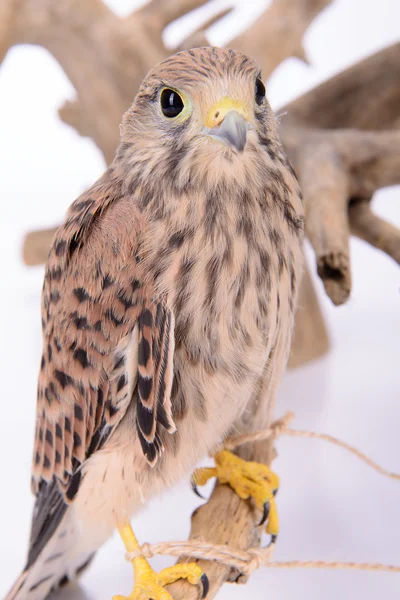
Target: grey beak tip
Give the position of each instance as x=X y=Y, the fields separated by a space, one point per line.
x=232 y=131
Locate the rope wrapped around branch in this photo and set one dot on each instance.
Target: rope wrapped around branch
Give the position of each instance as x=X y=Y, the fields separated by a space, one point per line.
x=245 y=561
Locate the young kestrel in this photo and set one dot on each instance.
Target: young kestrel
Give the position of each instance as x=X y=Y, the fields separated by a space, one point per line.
x=167 y=308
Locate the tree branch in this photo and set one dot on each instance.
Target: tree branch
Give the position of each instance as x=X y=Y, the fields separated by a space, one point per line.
x=226 y=519
x=279 y=32
x=163 y=13
x=36 y=246
x=334 y=167
x=198 y=38
x=276 y=35
x=365 y=96
x=310 y=339
x=374 y=230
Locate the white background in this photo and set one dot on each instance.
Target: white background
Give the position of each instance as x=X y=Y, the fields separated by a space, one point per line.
x=331 y=506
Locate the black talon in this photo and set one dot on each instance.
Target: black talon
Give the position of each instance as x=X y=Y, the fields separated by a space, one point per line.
x=196 y=491
x=265 y=513
x=273 y=539
x=206 y=585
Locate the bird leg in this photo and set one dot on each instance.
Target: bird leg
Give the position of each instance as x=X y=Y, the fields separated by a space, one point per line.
x=148 y=583
x=248 y=480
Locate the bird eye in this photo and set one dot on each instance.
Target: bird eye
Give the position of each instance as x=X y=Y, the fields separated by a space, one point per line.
x=260 y=92
x=171 y=103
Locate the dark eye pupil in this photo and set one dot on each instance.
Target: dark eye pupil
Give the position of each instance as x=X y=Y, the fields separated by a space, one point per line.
x=171 y=103
x=260 y=92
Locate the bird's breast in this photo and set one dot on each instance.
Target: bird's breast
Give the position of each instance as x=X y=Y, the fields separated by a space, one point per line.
x=224 y=299
x=225 y=267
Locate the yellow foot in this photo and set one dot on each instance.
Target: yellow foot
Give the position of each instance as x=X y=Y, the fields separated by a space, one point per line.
x=150 y=585
x=248 y=480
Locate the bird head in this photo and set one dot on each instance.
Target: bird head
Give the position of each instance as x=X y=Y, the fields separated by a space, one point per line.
x=199 y=112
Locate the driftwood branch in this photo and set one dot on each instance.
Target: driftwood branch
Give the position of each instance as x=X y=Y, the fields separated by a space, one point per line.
x=344 y=147
x=365 y=96
x=276 y=35
x=227 y=520
x=310 y=340
x=163 y=13
x=334 y=167
x=374 y=230
x=36 y=246
x=198 y=38
x=230 y=522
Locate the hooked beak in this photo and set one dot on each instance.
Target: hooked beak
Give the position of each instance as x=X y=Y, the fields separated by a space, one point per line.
x=227 y=122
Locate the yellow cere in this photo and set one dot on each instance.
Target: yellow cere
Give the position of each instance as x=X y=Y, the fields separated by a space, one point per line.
x=217 y=113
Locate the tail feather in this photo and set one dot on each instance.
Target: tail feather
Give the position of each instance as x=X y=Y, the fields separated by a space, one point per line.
x=56 y=565
x=75 y=570
x=15 y=590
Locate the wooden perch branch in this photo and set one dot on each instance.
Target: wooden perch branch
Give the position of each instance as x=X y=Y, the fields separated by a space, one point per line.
x=198 y=38
x=36 y=246
x=227 y=520
x=365 y=96
x=374 y=230
x=334 y=167
x=310 y=339
x=276 y=35
x=104 y=57
x=163 y=13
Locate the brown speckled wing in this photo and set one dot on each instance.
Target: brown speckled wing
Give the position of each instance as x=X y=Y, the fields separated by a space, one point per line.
x=106 y=341
x=155 y=362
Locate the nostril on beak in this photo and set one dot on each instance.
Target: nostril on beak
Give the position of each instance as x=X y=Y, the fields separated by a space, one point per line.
x=217 y=118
